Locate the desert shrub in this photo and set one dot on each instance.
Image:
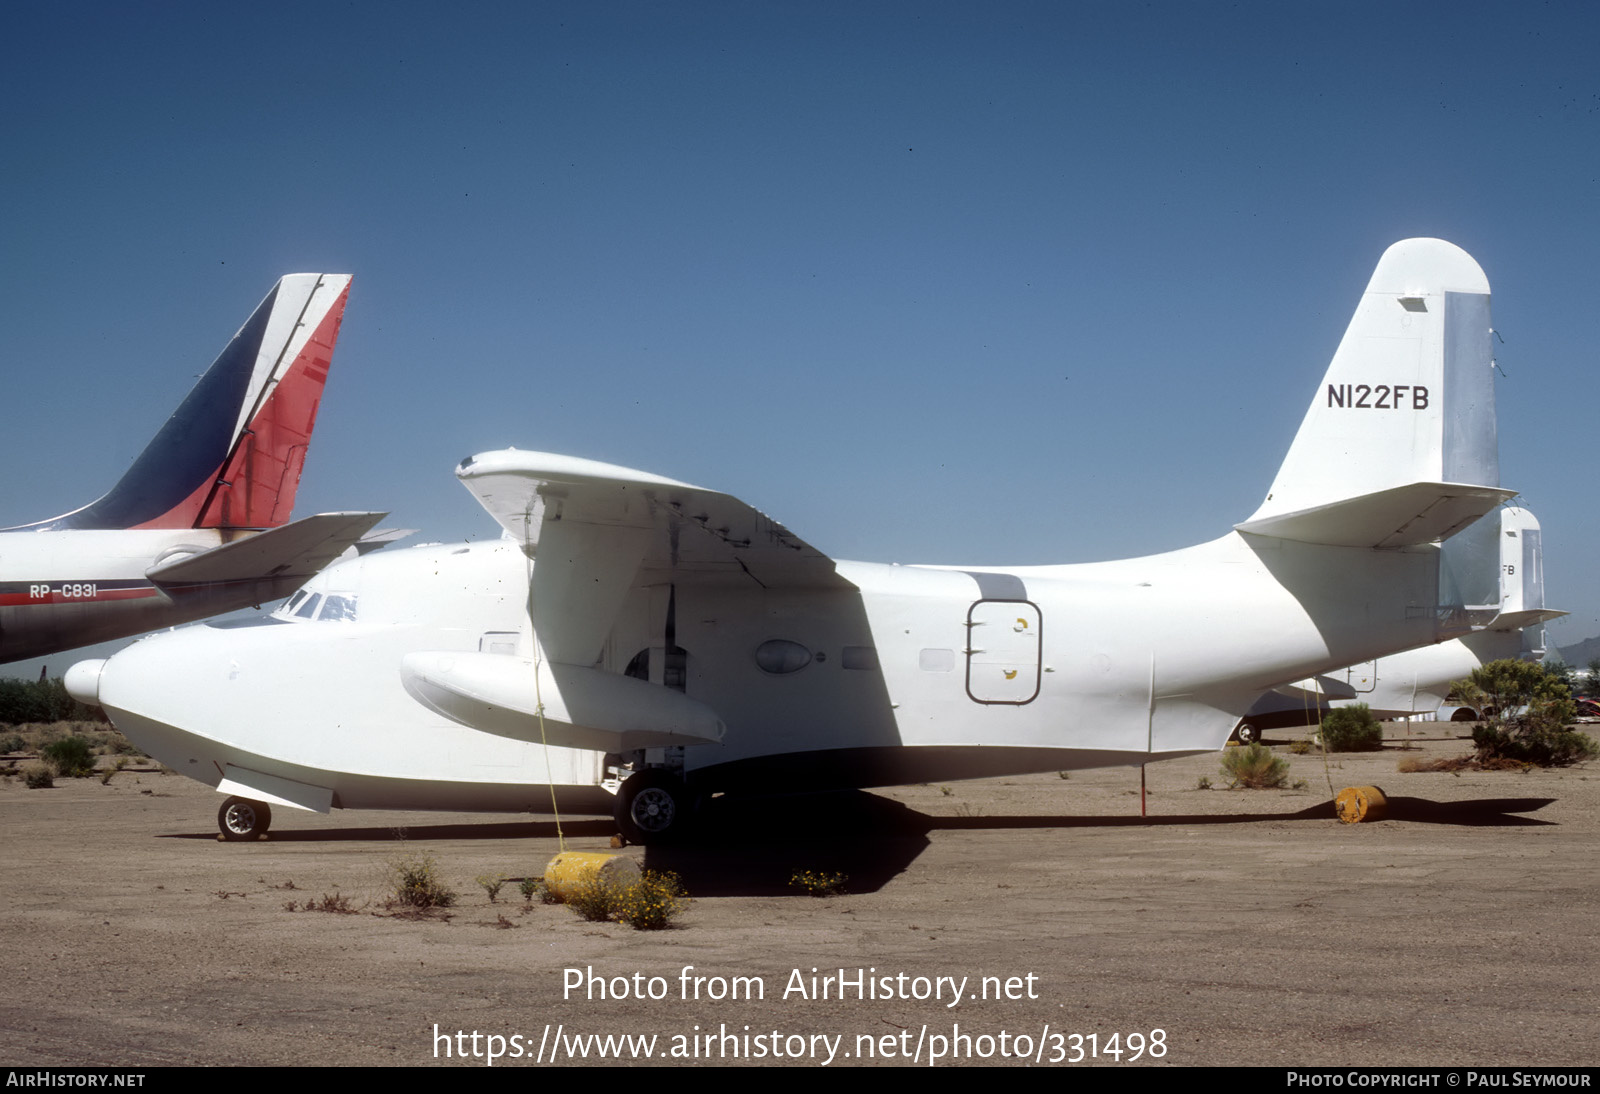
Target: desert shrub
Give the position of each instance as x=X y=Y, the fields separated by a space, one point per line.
x=1541 y=747
x=418 y=885
x=1352 y=729
x=648 y=904
x=73 y=757
x=491 y=884
x=1531 y=709
x=596 y=898
x=818 y=882
x=1300 y=747
x=652 y=902
x=1254 y=766
x=1413 y=765
x=38 y=776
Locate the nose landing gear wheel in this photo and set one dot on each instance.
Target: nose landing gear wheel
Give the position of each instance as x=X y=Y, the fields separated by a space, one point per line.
x=653 y=807
x=243 y=819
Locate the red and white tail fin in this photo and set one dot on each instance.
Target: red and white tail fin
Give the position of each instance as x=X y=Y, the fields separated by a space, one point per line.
x=232 y=453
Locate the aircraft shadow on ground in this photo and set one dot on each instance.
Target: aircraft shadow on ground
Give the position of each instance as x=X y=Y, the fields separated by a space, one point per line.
x=754 y=846
x=1488 y=812
x=587 y=828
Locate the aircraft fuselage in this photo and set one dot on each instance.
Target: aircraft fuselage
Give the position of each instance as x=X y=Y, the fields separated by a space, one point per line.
x=914 y=674
x=72 y=588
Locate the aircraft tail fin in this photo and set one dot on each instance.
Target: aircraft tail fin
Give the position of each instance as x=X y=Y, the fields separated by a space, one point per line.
x=1398 y=448
x=231 y=455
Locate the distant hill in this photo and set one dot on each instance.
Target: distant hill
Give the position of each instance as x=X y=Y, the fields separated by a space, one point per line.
x=1579 y=654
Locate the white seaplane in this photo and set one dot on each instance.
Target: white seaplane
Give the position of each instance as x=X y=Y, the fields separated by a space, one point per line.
x=634 y=642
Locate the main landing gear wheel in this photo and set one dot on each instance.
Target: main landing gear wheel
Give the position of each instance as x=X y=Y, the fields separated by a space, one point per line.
x=653 y=807
x=1247 y=734
x=243 y=819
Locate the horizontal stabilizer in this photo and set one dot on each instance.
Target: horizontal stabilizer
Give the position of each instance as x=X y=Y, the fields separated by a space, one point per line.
x=383 y=537
x=1316 y=689
x=298 y=549
x=1516 y=621
x=562 y=705
x=1403 y=516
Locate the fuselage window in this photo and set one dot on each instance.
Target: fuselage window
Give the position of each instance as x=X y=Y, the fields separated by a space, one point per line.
x=859 y=657
x=779 y=656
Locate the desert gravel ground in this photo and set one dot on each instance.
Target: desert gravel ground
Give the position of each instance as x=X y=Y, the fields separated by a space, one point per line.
x=1250 y=927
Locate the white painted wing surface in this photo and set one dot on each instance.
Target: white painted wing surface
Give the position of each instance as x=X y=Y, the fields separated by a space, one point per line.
x=596 y=530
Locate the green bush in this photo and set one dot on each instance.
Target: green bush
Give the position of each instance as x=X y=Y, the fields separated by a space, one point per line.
x=1352 y=729
x=73 y=757
x=1528 y=710
x=23 y=701
x=1254 y=766
x=1539 y=747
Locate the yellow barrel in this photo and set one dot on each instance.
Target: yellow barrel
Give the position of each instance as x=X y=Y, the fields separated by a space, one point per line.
x=571 y=868
x=1360 y=803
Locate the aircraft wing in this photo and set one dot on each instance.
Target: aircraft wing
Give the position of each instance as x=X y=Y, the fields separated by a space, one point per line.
x=684 y=528
x=299 y=549
x=596 y=530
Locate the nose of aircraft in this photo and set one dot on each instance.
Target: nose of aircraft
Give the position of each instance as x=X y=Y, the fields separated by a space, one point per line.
x=83 y=681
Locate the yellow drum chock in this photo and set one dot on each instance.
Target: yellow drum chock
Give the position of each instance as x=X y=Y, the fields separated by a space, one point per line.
x=569 y=869
x=1360 y=803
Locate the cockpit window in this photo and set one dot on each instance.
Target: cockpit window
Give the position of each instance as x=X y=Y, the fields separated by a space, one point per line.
x=305 y=606
x=338 y=607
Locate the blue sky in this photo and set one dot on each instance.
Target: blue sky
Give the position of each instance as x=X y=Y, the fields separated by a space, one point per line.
x=1010 y=283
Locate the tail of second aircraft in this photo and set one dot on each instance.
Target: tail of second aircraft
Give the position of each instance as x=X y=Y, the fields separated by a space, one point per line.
x=231 y=456
x=1398 y=447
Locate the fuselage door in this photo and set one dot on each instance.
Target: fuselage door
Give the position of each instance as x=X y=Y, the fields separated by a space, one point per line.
x=1364 y=677
x=1003 y=639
